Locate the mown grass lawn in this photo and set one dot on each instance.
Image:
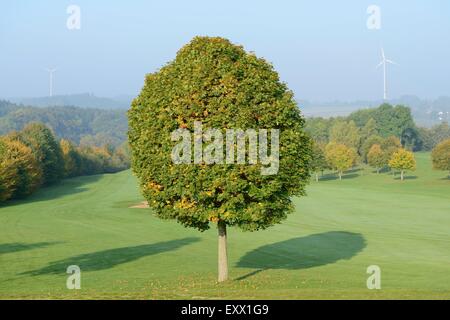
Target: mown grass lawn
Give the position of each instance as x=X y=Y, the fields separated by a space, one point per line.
x=321 y=251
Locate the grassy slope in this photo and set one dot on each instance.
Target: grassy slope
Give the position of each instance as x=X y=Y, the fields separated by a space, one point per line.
x=321 y=251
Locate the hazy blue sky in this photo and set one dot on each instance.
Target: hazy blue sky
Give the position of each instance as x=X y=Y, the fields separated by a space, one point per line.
x=322 y=49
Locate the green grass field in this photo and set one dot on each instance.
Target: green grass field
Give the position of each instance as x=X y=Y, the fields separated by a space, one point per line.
x=321 y=251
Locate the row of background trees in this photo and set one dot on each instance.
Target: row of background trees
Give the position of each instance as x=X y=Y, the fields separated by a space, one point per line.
x=33 y=157
x=95 y=127
x=368 y=136
x=380 y=137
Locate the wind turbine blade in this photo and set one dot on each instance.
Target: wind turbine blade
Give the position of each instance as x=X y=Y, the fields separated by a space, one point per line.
x=379 y=65
x=382 y=53
x=391 y=62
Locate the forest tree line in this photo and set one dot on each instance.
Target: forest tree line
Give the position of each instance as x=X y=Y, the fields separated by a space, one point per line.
x=383 y=137
x=70 y=141
x=33 y=157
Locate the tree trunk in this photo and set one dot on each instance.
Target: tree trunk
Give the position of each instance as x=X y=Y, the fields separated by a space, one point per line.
x=401 y=175
x=223 y=258
x=317 y=177
x=340 y=175
x=378 y=170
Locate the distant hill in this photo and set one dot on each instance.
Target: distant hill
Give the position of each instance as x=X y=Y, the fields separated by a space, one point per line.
x=85 y=118
x=84 y=100
x=426 y=112
x=89 y=126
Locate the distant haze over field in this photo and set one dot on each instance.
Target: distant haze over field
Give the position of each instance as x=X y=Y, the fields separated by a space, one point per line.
x=85 y=100
x=426 y=112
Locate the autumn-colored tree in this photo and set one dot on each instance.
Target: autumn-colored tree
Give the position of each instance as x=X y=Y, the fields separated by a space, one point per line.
x=46 y=150
x=368 y=143
x=217 y=83
x=7 y=176
x=28 y=169
x=390 y=145
x=32 y=156
x=105 y=154
x=402 y=160
x=105 y=159
x=376 y=157
x=90 y=162
x=120 y=158
x=8 y=172
x=340 y=157
x=22 y=173
x=440 y=156
x=72 y=160
x=318 y=162
x=123 y=152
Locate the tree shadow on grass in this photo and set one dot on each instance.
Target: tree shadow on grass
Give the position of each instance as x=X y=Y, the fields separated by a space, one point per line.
x=17 y=246
x=381 y=171
x=406 y=178
x=384 y=170
x=303 y=252
x=334 y=176
x=107 y=259
x=353 y=170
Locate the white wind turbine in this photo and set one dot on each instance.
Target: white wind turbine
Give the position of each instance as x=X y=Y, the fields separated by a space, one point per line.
x=51 y=71
x=383 y=63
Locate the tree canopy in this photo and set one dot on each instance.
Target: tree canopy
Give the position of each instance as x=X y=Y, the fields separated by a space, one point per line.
x=46 y=150
x=222 y=86
x=402 y=160
x=346 y=133
x=440 y=156
x=376 y=157
x=219 y=84
x=318 y=161
x=20 y=173
x=340 y=157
